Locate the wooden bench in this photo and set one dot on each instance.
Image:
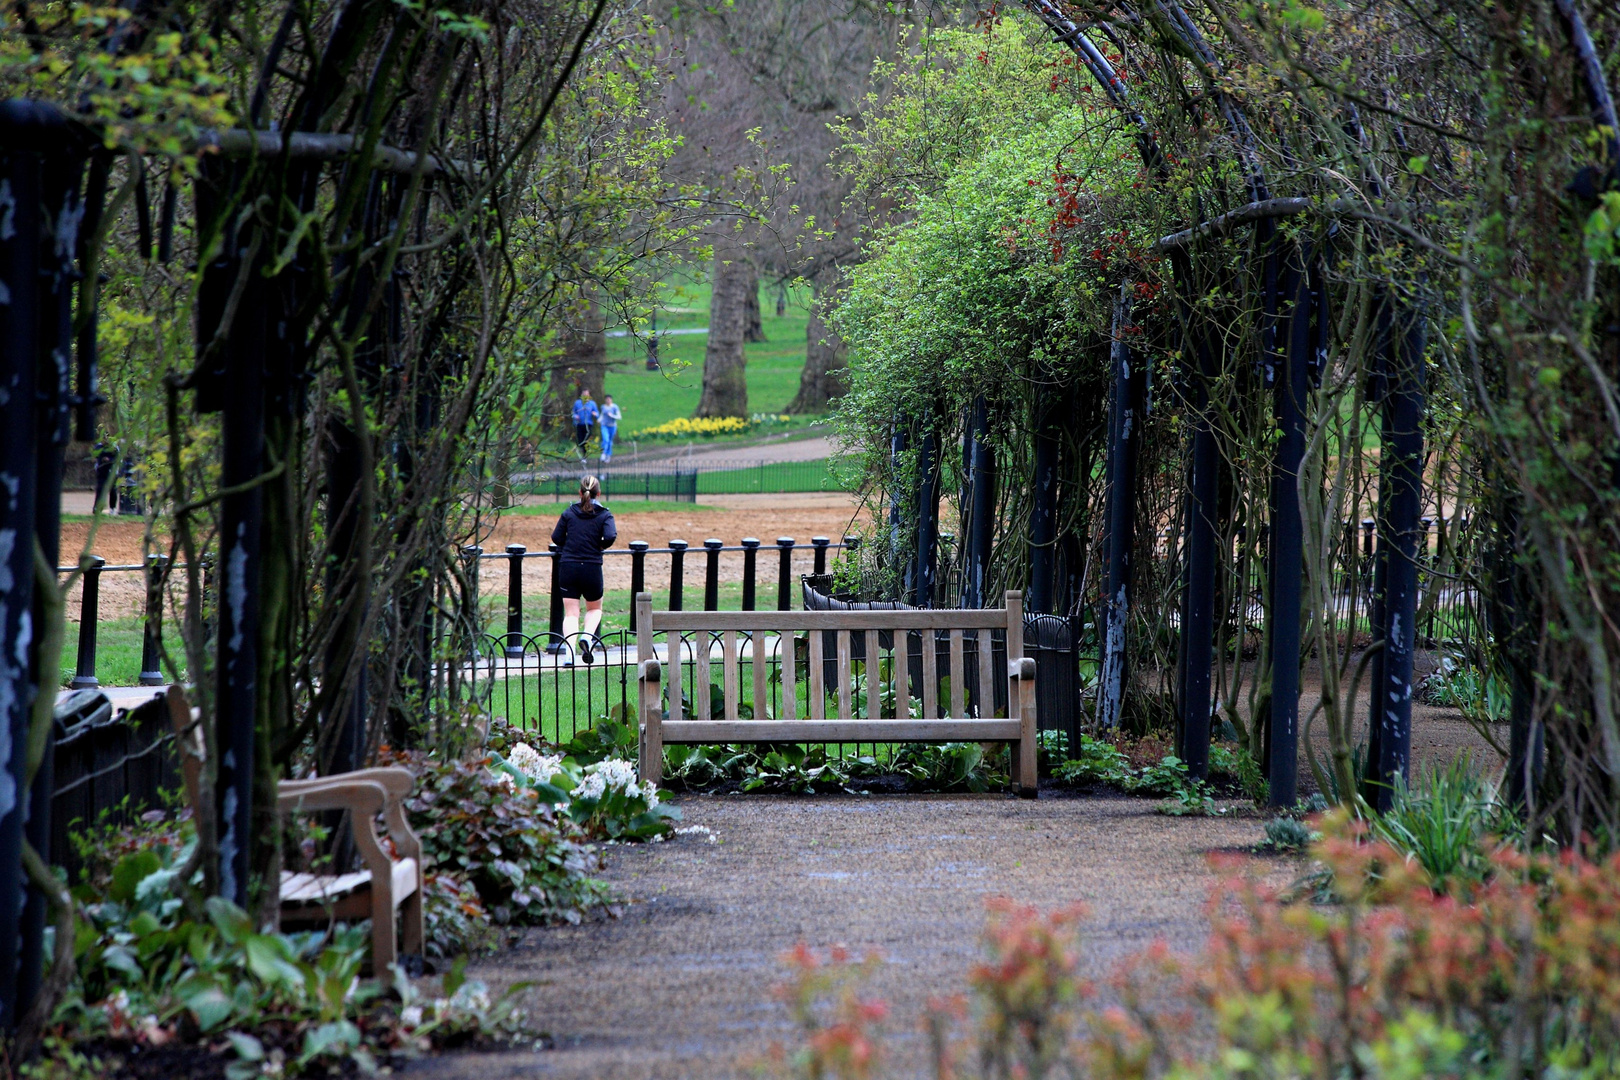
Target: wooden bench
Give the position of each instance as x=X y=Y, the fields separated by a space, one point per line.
x=386 y=886
x=773 y=637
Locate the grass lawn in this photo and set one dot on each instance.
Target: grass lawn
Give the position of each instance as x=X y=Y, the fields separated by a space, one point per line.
x=118 y=650
x=650 y=398
x=618 y=506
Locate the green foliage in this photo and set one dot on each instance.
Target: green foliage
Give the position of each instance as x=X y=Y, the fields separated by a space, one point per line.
x=952 y=766
x=149 y=973
x=1289 y=834
x=1448 y=821
x=528 y=864
x=1236 y=764
x=1098 y=763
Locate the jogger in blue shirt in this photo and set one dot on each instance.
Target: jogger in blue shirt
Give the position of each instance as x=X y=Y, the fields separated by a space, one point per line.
x=585 y=414
x=610 y=426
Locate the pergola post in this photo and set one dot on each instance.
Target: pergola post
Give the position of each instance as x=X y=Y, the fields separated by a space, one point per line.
x=1290 y=390
x=1400 y=529
x=981 y=531
x=1127 y=412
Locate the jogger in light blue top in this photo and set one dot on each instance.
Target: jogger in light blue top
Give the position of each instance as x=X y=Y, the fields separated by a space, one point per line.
x=610 y=426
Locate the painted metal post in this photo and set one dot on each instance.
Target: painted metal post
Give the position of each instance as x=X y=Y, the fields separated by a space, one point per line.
x=1290 y=388
x=750 y=546
x=784 y=582
x=982 y=517
x=1401 y=508
x=84 y=673
x=1198 y=601
x=514 y=599
x=152 y=637
x=1124 y=442
x=711 y=571
x=677 y=574
x=638 y=576
x=1043 y=511
x=927 y=517
x=554 y=617
x=820 y=544
x=20 y=433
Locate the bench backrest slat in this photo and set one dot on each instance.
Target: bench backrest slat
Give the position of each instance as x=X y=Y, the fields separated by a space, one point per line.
x=855 y=637
x=944 y=619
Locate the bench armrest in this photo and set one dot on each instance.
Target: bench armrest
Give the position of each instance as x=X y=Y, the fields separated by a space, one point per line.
x=341 y=792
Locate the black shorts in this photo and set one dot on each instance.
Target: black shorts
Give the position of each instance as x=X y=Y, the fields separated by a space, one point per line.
x=579 y=580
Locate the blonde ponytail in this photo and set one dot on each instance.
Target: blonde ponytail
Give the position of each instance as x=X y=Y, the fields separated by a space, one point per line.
x=590 y=489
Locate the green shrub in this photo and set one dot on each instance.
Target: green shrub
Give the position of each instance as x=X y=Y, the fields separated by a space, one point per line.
x=1288 y=834
x=529 y=864
x=1097 y=763
x=147 y=974
x=1235 y=764
x=1446 y=821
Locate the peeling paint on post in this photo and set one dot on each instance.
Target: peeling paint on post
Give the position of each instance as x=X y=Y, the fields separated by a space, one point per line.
x=1124 y=429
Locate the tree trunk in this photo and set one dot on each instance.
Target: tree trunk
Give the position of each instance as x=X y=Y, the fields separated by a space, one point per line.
x=725 y=380
x=754 y=329
x=582 y=366
x=823 y=375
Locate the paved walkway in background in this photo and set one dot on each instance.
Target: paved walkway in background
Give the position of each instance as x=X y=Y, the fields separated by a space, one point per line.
x=680 y=986
x=726 y=455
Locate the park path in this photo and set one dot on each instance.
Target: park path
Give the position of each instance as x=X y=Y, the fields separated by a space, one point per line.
x=680 y=986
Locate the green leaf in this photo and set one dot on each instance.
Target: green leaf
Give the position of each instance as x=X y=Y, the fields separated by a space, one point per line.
x=456 y=976
x=210 y=1007
x=231 y=921
x=339 y=1036
x=130 y=872
x=247 y=1047
x=271 y=960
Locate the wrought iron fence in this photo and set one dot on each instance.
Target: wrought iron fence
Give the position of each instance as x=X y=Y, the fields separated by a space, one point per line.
x=106 y=768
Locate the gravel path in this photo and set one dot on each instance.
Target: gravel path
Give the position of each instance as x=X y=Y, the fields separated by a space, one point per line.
x=680 y=986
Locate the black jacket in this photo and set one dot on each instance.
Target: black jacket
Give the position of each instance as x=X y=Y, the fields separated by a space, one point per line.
x=580 y=537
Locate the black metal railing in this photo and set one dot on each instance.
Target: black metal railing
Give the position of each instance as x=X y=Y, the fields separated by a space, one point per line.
x=106 y=768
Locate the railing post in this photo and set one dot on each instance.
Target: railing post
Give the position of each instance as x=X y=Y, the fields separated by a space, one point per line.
x=711 y=580
x=554 y=643
x=750 y=560
x=820 y=543
x=638 y=577
x=85 y=673
x=677 y=574
x=514 y=599
x=152 y=643
x=784 y=591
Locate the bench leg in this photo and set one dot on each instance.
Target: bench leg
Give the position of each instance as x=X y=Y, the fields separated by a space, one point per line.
x=412 y=929
x=1026 y=773
x=383 y=951
x=650 y=745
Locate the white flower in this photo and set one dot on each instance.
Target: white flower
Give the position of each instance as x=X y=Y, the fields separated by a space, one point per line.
x=700 y=832
x=614 y=774
x=533 y=764
x=411 y=1016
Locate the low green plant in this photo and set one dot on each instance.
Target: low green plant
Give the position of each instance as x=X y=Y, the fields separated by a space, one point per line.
x=149 y=974
x=1289 y=834
x=529 y=864
x=1236 y=764
x=1191 y=799
x=1449 y=821
x=1097 y=763
x=788 y=767
x=610 y=801
x=612 y=736
x=958 y=766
